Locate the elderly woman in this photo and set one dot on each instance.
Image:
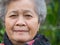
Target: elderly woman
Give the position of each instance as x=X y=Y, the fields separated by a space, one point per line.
x=22 y=21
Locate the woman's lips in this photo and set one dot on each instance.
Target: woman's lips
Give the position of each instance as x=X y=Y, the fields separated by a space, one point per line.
x=20 y=30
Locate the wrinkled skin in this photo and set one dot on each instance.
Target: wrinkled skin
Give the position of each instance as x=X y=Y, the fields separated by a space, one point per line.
x=21 y=21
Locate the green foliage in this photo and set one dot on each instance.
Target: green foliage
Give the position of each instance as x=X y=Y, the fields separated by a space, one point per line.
x=1 y=31
x=51 y=27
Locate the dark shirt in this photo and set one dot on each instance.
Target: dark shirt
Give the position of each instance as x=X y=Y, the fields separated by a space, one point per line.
x=38 y=40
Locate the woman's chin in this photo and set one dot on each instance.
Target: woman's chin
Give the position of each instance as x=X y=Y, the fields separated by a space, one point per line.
x=22 y=38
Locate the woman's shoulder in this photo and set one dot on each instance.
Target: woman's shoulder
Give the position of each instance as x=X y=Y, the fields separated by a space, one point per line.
x=1 y=43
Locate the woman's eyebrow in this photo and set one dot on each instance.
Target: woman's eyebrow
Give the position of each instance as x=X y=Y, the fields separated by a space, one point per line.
x=25 y=11
x=13 y=12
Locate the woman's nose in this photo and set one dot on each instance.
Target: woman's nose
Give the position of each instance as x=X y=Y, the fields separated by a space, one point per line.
x=20 y=22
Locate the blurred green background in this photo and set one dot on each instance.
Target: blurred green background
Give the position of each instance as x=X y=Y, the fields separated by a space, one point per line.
x=51 y=27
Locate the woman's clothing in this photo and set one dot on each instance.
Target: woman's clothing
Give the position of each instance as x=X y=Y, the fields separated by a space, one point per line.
x=38 y=40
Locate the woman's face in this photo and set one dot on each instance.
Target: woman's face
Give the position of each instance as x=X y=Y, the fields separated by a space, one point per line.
x=21 y=21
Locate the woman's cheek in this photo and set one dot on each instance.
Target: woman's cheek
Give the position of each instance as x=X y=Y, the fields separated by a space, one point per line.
x=9 y=24
x=33 y=27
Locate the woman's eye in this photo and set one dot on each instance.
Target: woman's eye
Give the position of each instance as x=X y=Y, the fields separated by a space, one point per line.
x=13 y=16
x=28 y=15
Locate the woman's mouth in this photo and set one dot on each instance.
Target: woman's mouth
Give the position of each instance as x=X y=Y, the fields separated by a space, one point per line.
x=20 y=30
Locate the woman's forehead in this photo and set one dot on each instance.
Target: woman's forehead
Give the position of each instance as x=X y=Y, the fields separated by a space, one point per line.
x=21 y=5
x=20 y=0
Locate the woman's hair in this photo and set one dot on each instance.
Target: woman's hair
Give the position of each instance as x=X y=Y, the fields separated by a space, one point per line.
x=40 y=8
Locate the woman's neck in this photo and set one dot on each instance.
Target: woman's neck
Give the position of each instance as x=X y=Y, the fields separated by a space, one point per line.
x=17 y=43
